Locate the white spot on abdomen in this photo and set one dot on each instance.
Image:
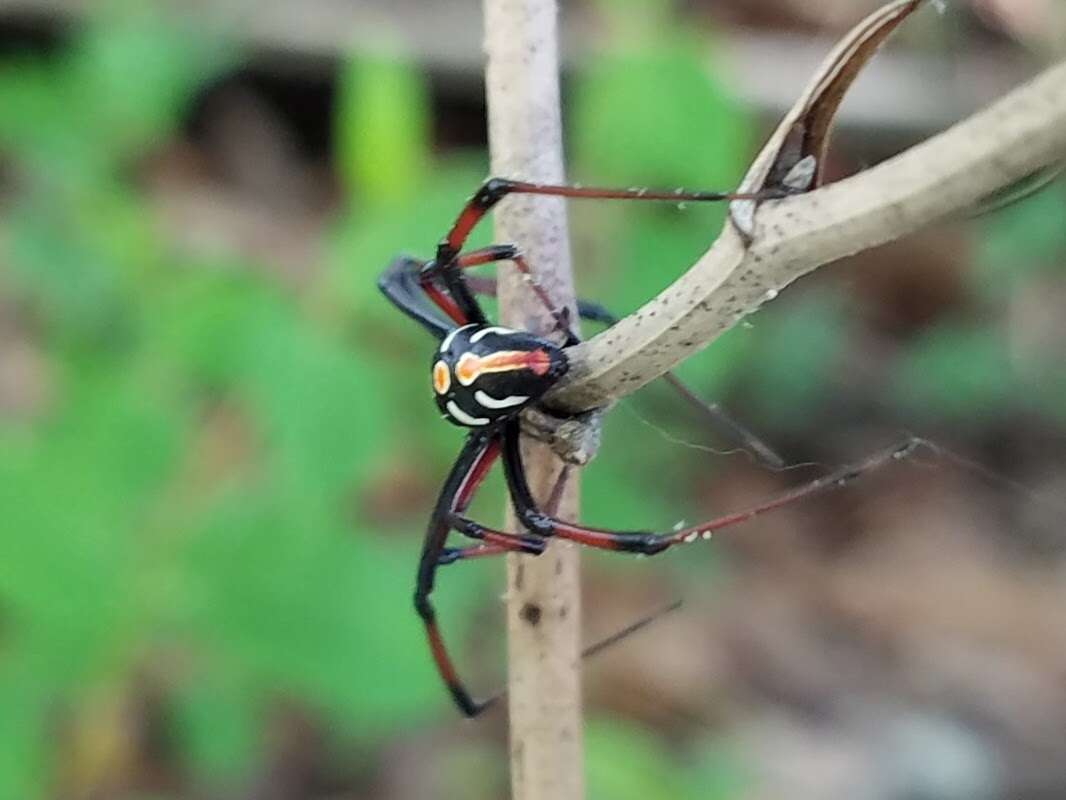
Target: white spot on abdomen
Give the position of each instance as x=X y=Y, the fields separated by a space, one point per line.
x=488 y=401
x=481 y=334
x=465 y=418
x=451 y=337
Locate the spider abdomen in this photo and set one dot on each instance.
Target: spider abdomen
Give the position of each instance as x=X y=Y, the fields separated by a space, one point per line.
x=483 y=374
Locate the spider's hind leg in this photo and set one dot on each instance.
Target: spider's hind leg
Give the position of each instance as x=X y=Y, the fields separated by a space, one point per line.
x=503 y=542
x=648 y=543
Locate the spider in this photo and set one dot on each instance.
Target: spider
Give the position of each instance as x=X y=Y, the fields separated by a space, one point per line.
x=484 y=376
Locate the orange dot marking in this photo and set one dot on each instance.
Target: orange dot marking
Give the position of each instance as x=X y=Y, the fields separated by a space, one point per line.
x=442 y=379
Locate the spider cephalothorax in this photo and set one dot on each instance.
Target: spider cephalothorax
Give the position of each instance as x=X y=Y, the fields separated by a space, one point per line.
x=483 y=374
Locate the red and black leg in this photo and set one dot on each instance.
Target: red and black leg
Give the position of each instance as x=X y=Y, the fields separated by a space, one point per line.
x=495 y=542
x=500 y=542
x=408 y=285
x=728 y=428
x=494 y=190
x=478 y=454
x=402 y=284
x=648 y=543
x=409 y=282
x=407 y=278
x=442 y=283
x=510 y=252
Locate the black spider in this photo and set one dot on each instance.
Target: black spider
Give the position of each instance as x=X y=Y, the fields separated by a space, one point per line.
x=484 y=375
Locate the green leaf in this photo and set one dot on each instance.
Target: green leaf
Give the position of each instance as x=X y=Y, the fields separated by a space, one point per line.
x=365 y=242
x=216 y=724
x=301 y=603
x=76 y=497
x=78 y=292
x=623 y=762
x=382 y=128
x=204 y=320
x=24 y=767
x=317 y=405
x=133 y=70
x=34 y=119
x=1021 y=242
x=956 y=371
x=797 y=345
x=653 y=115
x=718 y=772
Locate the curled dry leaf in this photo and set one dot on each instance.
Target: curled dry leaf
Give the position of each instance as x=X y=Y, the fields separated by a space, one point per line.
x=799 y=144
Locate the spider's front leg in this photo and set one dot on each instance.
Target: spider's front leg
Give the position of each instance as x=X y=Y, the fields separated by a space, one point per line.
x=494 y=190
x=447 y=265
x=402 y=285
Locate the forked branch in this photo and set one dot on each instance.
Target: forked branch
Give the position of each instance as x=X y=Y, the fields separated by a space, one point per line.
x=1014 y=137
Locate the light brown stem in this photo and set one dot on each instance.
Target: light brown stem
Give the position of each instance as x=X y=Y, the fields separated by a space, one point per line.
x=543 y=596
x=994 y=148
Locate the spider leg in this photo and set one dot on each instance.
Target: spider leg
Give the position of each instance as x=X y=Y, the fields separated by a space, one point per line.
x=649 y=543
x=495 y=189
x=586 y=309
x=722 y=421
x=728 y=427
x=401 y=284
x=500 y=542
x=449 y=555
x=510 y=252
x=455 y=298
x=407 y=282
x=507 y=542
x=478 y=454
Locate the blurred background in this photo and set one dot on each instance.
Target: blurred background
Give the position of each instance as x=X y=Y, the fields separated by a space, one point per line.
x=218 y=451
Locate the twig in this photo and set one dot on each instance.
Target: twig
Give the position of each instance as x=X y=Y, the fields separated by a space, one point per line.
x=1012 y=138
x=543 y=597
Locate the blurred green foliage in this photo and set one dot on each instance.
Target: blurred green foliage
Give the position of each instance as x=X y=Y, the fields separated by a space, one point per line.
x=625 y=762
x=968 y=370
x=188 y=508
x=647 y=111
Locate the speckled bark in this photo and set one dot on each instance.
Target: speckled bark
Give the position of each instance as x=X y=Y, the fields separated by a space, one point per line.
x=1012 y=138
x=543 y=595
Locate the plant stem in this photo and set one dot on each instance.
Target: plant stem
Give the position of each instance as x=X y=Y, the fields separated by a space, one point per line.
x=543 y=596
x=944 y=175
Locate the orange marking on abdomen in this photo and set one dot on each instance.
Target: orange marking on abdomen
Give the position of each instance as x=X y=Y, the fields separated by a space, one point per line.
x=471 y=367
x=442 y=379
x=539 y=361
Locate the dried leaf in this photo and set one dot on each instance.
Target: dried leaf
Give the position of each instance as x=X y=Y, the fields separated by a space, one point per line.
x=799 y=144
